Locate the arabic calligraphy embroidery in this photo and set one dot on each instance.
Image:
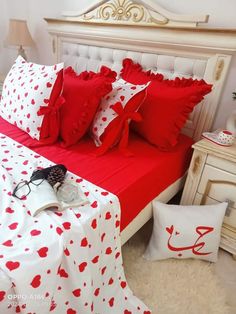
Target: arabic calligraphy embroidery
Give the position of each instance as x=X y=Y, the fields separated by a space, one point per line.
x=196 y=247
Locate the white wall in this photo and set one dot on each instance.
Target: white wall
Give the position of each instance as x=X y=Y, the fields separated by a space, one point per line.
x=222 y=14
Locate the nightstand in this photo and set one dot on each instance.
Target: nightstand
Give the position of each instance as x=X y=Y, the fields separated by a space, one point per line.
x=211 y=179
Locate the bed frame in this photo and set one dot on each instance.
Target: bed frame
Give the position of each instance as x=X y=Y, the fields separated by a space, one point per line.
x=172 y=44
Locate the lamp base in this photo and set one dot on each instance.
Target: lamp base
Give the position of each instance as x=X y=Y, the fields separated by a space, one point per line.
x=21 y=52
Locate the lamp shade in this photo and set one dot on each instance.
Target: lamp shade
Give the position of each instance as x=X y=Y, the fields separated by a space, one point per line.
x=18 y=34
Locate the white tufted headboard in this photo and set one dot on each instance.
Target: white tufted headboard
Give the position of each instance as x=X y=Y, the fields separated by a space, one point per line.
x=157 y=39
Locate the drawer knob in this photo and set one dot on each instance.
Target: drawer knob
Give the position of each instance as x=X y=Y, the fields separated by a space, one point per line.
x=196 y=164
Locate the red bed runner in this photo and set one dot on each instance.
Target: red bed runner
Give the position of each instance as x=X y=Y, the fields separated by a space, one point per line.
x=135 y=180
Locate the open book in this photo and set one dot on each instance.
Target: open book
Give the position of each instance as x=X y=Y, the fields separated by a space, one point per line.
x=43 y=197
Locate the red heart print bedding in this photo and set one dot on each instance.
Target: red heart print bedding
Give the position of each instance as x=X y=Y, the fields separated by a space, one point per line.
x=61 y=262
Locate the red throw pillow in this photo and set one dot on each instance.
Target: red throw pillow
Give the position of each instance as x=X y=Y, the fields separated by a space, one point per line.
x=82 y=95
x=167 y=105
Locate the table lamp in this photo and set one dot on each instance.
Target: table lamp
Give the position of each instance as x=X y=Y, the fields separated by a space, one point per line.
x=19 y=35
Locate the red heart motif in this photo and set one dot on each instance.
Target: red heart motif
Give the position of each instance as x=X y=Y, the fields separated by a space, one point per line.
x=35 y=232
x=108 y=216
x=2 y=295
x=111 y=302
x=123 y=284
x=117 y=255
x=103 y=270
x=46 y=101
x=96 y=292
x=95 y=259
x=76 y=292
x=108 y=250
x=104 y=193
x=12 y=265
x=63 y=273
x=36 y=282
x=110 y=282
x=43 y=252
x=13 y=226
x=146 y=312
x=104 y=119
x=170 y=230
x=94 y=204
x=94 y=224
x=8 y=243
x=32 y=102
x=117 y=223
x=25 y=162
x=122 y=98
x=59 y=230
x=84 y=242
x=36 y=87
x=53 y=306
x=24 y=172
x=28 y=115
x=66 y=251
x=66 y=225
x=49 y=85
x=127 y=312
x=82 y=266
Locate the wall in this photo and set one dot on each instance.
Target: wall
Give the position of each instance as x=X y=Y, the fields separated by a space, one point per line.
x=222 y=14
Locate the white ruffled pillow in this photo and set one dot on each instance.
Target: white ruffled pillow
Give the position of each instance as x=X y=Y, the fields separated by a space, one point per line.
x=27 y=87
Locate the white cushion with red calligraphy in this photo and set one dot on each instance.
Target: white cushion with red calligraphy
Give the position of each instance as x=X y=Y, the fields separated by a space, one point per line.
x=27 y=88
x=186 y=231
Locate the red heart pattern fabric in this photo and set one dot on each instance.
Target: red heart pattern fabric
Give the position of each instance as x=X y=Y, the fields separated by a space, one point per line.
x=59 y=262
x=26 y=90
x=128 y=95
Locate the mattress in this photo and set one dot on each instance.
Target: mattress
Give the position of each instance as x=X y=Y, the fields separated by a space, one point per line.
x=135 y=180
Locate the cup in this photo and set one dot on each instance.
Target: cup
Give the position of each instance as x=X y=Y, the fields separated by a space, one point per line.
x=226 y=137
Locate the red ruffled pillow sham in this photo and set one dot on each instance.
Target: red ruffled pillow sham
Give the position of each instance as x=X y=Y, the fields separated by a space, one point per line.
x=82 y=95
x=167 y=105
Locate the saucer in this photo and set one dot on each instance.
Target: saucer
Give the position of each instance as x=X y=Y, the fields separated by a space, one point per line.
x=214 y=137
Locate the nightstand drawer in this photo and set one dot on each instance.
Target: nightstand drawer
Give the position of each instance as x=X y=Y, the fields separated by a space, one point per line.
x=230 y=218
x=220 y=163
x=218 y=184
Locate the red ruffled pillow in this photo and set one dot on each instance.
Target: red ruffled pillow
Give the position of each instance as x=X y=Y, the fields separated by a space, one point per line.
x=167 y=105
x=82 y=95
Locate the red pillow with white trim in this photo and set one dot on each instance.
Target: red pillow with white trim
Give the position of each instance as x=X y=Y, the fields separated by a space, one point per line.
x=82 y=95
x=28 y=89
x=167 y=105
x=110 y=123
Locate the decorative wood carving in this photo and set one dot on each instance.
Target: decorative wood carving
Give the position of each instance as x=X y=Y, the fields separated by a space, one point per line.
x=129 y=12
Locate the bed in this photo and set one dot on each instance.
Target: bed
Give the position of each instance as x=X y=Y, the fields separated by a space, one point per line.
x=105 y=34
x=174 y=45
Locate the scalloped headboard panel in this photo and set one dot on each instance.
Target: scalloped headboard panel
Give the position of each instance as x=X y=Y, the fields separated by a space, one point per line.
x=168 y=44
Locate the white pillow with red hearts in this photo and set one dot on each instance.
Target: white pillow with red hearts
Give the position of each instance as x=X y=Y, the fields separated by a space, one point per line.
x=122 y=92
x=27 y=87
x=186 y=231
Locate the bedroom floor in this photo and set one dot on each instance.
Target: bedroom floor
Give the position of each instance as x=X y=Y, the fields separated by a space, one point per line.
x=225 y=269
